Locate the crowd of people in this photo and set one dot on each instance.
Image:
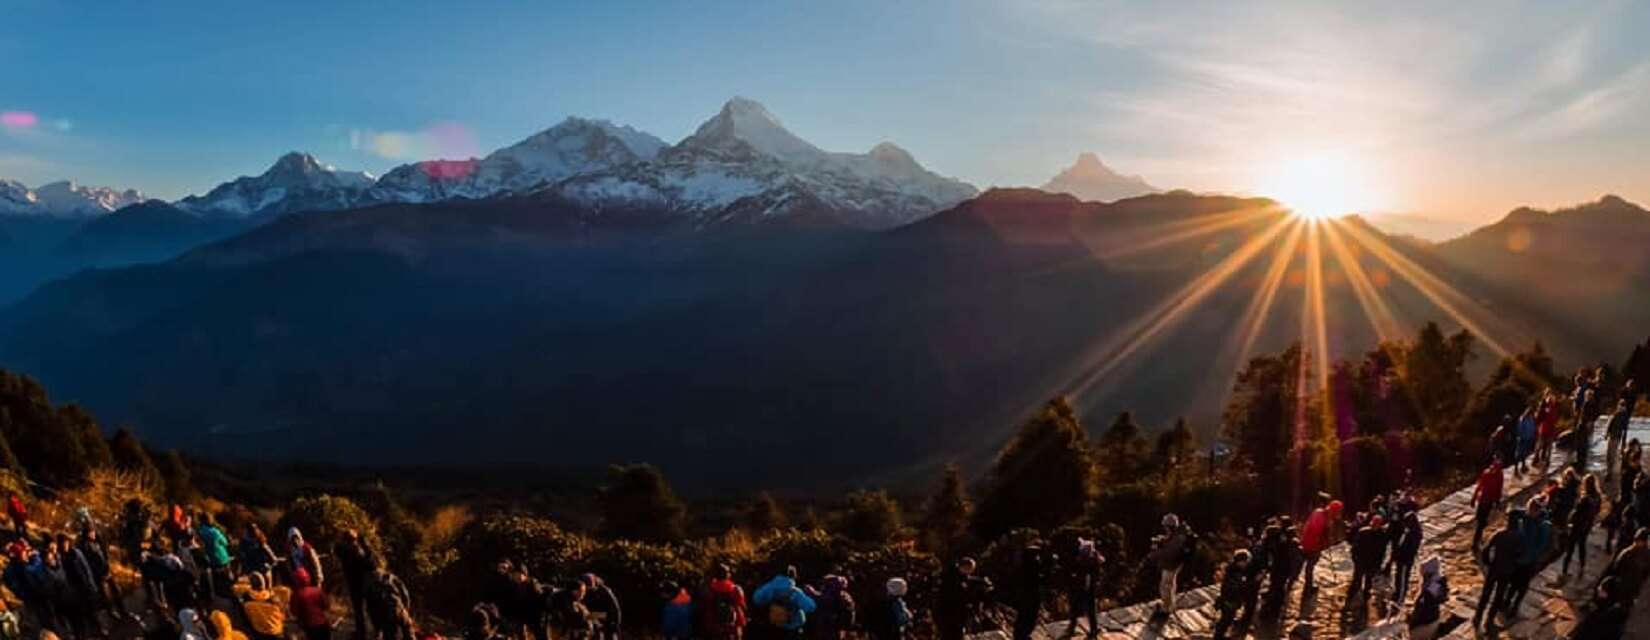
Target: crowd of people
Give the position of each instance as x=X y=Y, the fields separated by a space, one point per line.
x=201 y=582
x=196 y=582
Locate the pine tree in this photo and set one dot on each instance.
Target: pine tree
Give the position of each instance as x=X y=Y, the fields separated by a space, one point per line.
x=80 y=425
x=1122 y=449
x=764 y=514
x=1174 y=447
x=1043 y=477
x=945 y=521
x=637 y=504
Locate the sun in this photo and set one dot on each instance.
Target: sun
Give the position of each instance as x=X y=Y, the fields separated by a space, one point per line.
x=1321 y=185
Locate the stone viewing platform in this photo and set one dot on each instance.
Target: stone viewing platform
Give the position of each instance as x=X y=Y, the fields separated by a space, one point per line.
x=1551 y=609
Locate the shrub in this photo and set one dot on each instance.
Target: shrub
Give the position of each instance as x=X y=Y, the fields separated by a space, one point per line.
x=635 y=570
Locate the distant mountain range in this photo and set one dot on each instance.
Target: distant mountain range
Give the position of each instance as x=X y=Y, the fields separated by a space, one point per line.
x=62 y=199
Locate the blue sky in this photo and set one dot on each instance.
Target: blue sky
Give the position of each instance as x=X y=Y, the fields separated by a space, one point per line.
x=1454 y=111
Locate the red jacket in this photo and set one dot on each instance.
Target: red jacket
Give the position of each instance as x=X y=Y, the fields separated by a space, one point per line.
x=15 y=509
x=309 y=607
x=722 y=591
x=1489 y=486
x=1315 y=534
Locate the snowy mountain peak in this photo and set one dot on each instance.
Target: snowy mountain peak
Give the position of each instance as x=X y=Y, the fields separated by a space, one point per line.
x=1090 y=179
x=296 y=182
x=63 y=199
x=746 y=121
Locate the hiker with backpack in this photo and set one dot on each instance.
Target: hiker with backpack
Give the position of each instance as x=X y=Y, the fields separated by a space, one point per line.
x=389 y=605
x=722 y=611
x=837 y=613
x=301 y=555
x=215 y=550
x=1369 y=543
x=959 y=594
x=1172 y=548
x=676 y=616
x=569 y=618
x=1083 y=585
x=893 y=617
x=785 y=606
x=603 y=606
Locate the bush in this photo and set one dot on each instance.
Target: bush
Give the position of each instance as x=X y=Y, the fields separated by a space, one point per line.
x=635 y=570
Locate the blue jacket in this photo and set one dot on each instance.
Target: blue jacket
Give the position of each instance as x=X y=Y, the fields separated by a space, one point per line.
x=676 y=620
x=1537 y=535
x=781 y=589
x=1526 y=435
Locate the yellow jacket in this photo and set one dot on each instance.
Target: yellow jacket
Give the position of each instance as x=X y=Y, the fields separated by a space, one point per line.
x=265 y=610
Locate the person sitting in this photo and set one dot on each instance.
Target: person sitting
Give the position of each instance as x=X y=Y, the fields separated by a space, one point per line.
x=264 y=607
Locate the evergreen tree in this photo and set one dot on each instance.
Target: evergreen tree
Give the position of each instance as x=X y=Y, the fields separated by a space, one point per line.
x=945 y=520
x=1122 y=449
x=49 y=446
x=764 y=514
x=129 y=456
x=1435 y=371
x=1043 y=477
x=174 y=473
x=871 y=517
x=637 y=504
x=1260 y=418
x=1174 y=447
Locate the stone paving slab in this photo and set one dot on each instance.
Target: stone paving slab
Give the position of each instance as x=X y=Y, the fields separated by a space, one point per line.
x=1324 y=613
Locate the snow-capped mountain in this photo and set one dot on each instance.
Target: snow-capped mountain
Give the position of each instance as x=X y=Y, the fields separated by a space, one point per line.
x=296 y=182
x=1091 y=179
x=741 y=165
x=573 y=147
x=63 y=199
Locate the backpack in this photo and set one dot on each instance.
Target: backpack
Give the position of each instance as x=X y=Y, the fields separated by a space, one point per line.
x=780 y=610
x=1188 y=551
x=724 y=610
x=384 y=595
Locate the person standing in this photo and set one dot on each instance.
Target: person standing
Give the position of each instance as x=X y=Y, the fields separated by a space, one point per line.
x=309 y=606
x=604 y=606
x=1499 y=559
x=1614 y=434
x=1285 y=561
x=837 y=612
x=301 y=555
x=1581 y=442
x=1546 y=428
x=389 y=605
x=1581 y=522
x=893 y=617
x=1083 y=585
x=215 y=549
x=676 y=616
x=1406 y=545
x=1315 y=534
x=786 y=604
x=1173 y=546
x=1608 y=618
x=1369 y=545
x=19 y=514
x=1631 y=568
x=722 y=609
x=358 y=562
x=1028 y=591
x=1535 y=538
x=1486 y=497
x=1236 y=585
x=1526 y=433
